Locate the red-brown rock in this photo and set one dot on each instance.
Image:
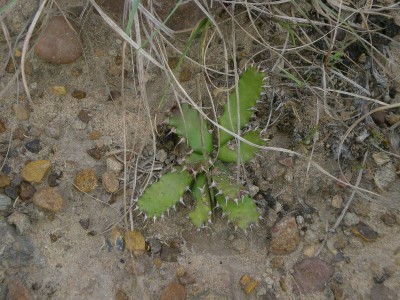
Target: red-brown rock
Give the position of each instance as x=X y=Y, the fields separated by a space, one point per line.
x=59 y=42
x=285 y=236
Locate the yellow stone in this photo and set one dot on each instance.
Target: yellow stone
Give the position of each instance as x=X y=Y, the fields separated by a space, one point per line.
x=85 y=180
x=309 y=250
x=18 y=53
x=134 y=242
x=4 y=180
x=58 y=90
x=35 y=171
x=248 y=283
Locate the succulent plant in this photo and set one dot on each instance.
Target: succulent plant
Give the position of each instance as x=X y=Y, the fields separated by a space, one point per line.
x=211 y=178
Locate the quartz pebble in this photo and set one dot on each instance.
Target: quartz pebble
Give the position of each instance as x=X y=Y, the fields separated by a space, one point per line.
x=114 y=165
x=337 y=201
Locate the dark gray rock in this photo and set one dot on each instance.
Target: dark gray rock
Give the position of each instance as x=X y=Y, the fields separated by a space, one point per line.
x=15 y=250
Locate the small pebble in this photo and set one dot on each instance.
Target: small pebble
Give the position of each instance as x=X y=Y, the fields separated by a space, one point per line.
x=389 y=219
x=337 y=291
x=78 y=94
x=33 y=146
x=85 y=180
x=173 y=291
x=22 y=112
x=79 y=125
x=161 y=156
x=3 y=127
x=95 y=153
x=5 y=202
x=85 y=115
x=379 y=117
x=385 y=175
x=185 y=277
x=380 y=158
x=27 y=190
x=114 y=165
x=117 y=238
x=110 y=182
x=248 y=283
x=169 y=252
x=4 y=180
x=20 y=221
x=12 y=192
x=52 y=179
x=53 y=130
x=286 y=161
x=350 y=219
x=253 y=190
x=311 y=275
x=114 y=95
x=134 y=242
x=85 y=223
x=121 y=295
x=392 y=119
x=337 y=201
x=285 y=236
x=299 y=220
x=94 y=135
x=48 y=199
x=19 y=134
x=309 y=250
x=58 y=90
x=35 y=171
x=381 y=292
x=364 y=232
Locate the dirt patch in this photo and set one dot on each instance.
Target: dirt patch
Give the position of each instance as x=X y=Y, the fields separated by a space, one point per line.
x=81 y=119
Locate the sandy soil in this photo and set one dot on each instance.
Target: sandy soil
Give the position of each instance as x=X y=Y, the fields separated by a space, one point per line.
x=70 y=262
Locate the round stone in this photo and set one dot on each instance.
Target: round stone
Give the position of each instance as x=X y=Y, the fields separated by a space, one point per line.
x=48 y=199
x=86 y=180
x=59 y=42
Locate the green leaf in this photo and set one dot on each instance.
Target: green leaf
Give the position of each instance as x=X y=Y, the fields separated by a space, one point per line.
x=242 y=214
x=188 y=125
x=202 y=212
x=165 y=193
x=229 y=151
x=250 y=86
